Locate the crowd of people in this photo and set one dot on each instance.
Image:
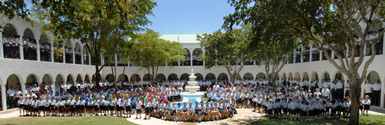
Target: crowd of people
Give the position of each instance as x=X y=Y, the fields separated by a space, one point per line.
x=289 y=99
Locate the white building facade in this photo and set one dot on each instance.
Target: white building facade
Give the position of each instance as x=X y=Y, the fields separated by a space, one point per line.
x=22 y=70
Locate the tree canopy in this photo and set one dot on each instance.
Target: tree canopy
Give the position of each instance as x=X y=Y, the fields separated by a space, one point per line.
x=229 y=49
x=150 y=52
x=341 y=27
x=100 y=24
x=12 y=8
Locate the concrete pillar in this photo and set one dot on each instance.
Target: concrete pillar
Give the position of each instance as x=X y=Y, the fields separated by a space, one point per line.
x=38 y=49
x=294 y=56
x=64 y=53
x=365 y=49
x=51 y=51
x=21 y=50
x=23 y=89
x=383 y=44
x=191 y=58
x=1 y=46
x=89 y=59
x=73 y=55
x=81 y=55
x=3 y=97
x=102 y=60
x=311 y=52
x=382 y=96
x=302 y=54
x=320 y=55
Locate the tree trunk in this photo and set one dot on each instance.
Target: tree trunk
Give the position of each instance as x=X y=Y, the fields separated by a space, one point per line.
x=355 y=93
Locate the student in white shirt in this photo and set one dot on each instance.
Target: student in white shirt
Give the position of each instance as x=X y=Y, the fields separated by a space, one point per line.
x=376 y=92
x=138 y=109
x=325 y=92
x=366 y=103
x=368 y=88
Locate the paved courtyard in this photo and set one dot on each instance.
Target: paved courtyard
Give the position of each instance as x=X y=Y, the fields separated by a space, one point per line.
x=244 y=116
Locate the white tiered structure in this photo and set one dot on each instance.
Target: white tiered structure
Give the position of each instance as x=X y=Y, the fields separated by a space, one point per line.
x=192 y=95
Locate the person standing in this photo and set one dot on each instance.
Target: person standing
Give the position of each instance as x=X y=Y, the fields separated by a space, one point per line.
x=376 y=92
x=347 y=88
x=368 y=88
x=10 y=95
x=340 y=89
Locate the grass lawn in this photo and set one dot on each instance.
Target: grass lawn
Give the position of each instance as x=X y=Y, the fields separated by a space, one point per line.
x=88 y=120
x=364 y=120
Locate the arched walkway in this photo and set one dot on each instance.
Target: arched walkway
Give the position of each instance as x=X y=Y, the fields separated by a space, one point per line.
x=147 y=77
x=248 y=76
x=290 y=75
x=184 y=76
x=79 y=79
x=30 y=52
x=339 y=76
x=187 y=56
x=59 y=79
x=45 y=48
x=123 y=78
x=374 y=78
x=86 y=56
x=260 y=76
x=10 y=33
x=325 y=76
x=47 y=79
x=222 y=77
x=78 y=53
x=70 y=79
x=87 y=79
x=172 y=77
x=160 y=77
x=199 y=77
x=68 y=51
x=135 y=78
x=110 y=78
x=297 y=76
x=197 y=57
x=210 y=77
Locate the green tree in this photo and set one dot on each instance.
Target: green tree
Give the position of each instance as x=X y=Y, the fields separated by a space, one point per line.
x=271 y=42
x=12 y=8
x=341 y=27
x=96 y=23
x=150 y=52
x=228 y=49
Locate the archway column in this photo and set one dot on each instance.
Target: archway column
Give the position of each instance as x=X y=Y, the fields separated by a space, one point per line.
x=21 y=50
x=38 y=49
x=82 y=54
x=73 y=55
x=311 y=52
x=64 y=53
x=3 y=97
x=52 y=54
x=1 y=46
x=23 y=89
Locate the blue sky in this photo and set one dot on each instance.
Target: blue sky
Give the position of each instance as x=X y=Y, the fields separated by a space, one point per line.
x=189 y=16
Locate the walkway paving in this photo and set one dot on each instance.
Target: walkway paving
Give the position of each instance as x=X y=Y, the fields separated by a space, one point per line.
x=244 y=116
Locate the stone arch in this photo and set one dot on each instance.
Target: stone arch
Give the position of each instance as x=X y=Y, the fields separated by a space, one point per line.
x=47 y=78
x=123 y=78
x=284 y=75
x=248 y=76
x=29 y=37
x=32 y=79
x=160 y=77
x=184 y=76
x=187 y=56
x=70 y=78
x=199 y=77
x=314 y=76
x=86 y=79
x=13 y=80
x=210 y=76
x=59 y=78
x=373 y=77
x=78 y=53
x=297 y=76
x=147 y=77
x=10 y=32
x=260 y=75
x=291 y=75
x=325 y=76
x=135 y=78
x=223 y=76
x=339 y=76
x=305 y=76
x=196 y=57
x=79 y=79
x=45 y=48
x=93 y=78
x=110 y=78
x=86 y=56
x=68 y=51
x=172 y=77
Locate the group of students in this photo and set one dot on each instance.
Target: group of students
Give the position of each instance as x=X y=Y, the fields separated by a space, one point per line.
x=11 y=45
x=157 y=100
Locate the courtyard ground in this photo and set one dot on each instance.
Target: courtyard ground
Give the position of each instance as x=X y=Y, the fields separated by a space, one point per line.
x=244 y=116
